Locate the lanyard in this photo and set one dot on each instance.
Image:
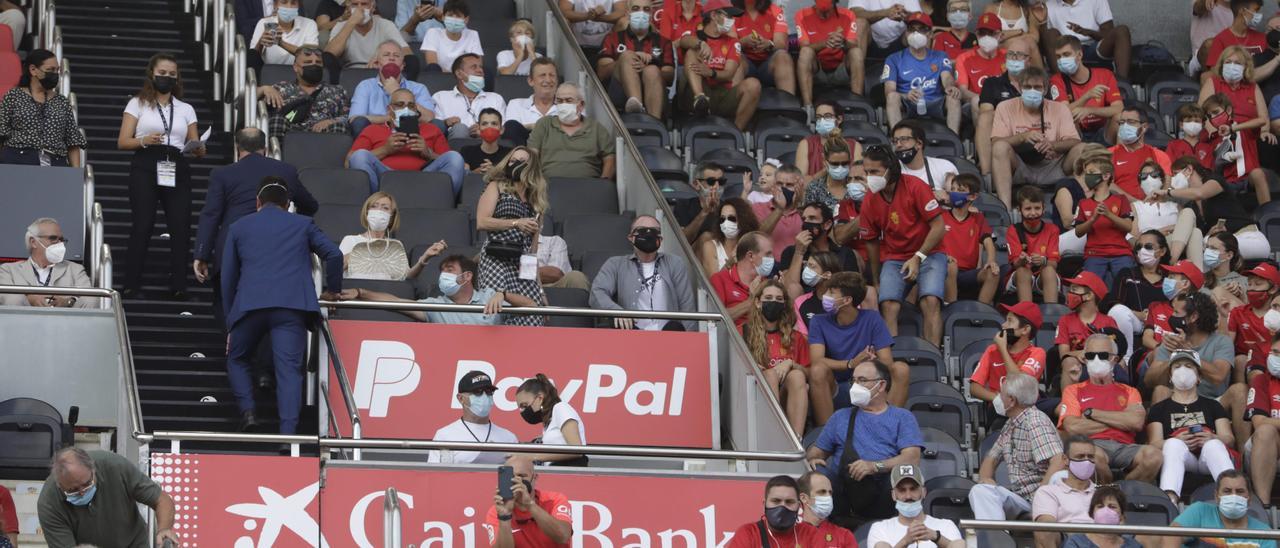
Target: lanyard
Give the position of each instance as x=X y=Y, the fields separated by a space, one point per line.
x=46 y=281
x=168 y=124
x=473 y=434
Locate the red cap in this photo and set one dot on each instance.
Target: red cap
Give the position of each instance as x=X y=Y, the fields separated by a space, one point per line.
x=390 y=70
x=716 y=5
x=920 y=17
x=1191 y=271
x=989 y=21
x=1026 y=310
x=1091 y=281
x=1267 y=272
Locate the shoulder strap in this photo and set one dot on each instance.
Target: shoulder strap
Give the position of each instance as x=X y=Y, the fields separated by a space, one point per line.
x=850 y=453
x=1022 y=235
x=1067 y=83
x=764 y=535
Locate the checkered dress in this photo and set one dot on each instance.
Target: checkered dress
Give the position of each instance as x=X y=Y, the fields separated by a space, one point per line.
x=505 y=275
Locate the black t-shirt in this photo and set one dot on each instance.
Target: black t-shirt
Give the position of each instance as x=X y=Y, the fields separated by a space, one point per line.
x=1223 y=206
x=997 y=89
x=811 y=307
x=1174 y=416
x=848 y=260
x=1270 y=86
x=1067 y=219
x=1133 y=290
x=332 y=9
x=473 y=156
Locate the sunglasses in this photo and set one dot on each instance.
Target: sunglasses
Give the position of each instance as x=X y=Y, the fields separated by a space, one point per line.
x=880 y=148
x=716 y=181
x=1147 y=246
x=730 y=218
x=1097 y=355
x=646 y=232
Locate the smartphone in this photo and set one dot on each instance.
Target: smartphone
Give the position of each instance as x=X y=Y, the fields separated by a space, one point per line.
x=428 y=2
x=271 y=27
x=1196 y=429
x=408 y=125
x=505 y=475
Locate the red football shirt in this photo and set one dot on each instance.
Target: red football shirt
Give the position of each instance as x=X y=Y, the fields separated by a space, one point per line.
x=972 y=69
x=1105 y=397
x=764 y=26
x=831 y=535
x=991 y=369
x=812 y=28
x=1097 y=77
x=8 y=513
x=671 y=23
x=724 y=48
x=1202 y=150
x=1105 y=238
x=963 y=239
x=524 y=530
x=1251 y=333
x=900 y=225
x=652 y=43
x=1128 y=163
x=730 y=289
x=1253 y=42
x=1072 y=331
x=404 y=159
x=799 y=352
x=947 y=43
x=1043 y=243
x=1158 y=314
x=1264 y=397
x=748 y=536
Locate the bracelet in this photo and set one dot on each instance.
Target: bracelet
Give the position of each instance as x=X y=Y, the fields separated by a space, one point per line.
x=504 y=517
x=921 y=256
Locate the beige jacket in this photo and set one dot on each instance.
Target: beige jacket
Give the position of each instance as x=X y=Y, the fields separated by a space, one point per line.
x=65 y=274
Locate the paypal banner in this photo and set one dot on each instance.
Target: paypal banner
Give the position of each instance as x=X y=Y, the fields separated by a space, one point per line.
x=630 y=387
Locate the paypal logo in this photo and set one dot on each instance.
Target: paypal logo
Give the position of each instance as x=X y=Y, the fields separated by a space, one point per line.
x=386 y=370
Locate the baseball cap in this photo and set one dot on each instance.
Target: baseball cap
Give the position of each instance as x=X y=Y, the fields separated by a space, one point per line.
x=475 y=380
x=1091 y=281
x=920 y=17
x=905 y=471
x=1185 y=355
x=716 y=5
x=1266 y=271
x=989 y=21
x=1188 y=269
x=1026 y=310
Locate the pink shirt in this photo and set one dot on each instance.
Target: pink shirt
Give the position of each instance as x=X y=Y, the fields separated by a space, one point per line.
x=784 y=233
x=1208 y=26
x=1065 y=504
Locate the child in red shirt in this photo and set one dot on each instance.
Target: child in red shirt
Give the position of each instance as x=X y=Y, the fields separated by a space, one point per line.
x=1245 y=324
x=1033 y=249
x=965 y=228
x=1192 y=140
x=780 y=350
x=1106 y=218
x=1084 y=292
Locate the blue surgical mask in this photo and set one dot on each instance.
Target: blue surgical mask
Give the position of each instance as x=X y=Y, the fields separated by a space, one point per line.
x=1256 y=19
x=639 y=21
x=1233 y=506
x=1128 y=134
x=855 y=191
x=1015 y=66
x=1032 y=98
x=766 y=267
x=1067 y=65
x=838 y=173
x=1212 y=258
x=404 y=112
x=1170 y=288
x=958 y=199
x=85 y=498
x=810 y=277
x=448 y=284
x=287 y=15
x=454 y=24
x=474 y=83
x=910 y=509
x=1232 y=72
x=480 y=405
x=824 y=126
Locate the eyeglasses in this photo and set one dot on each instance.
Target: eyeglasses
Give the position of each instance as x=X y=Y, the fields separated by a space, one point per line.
x=826 y=117
x=53 y=238
x=645 y=9
x=1097 y=355
x=865 y=381
x=902 y=140
x=730 y=218
x=80 y=491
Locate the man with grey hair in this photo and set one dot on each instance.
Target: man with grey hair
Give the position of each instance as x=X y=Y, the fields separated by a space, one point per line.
x=91 y=497
x=647 y=279
x=46 y=266
x=570 y=144
x=1028 y=443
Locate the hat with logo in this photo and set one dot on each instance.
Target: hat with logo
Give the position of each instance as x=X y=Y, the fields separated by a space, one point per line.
x=905 y=471
x=1185 y=356
x=1266 y=271
x=717 y=5
x=1188 y=269
x=1091 y=281
x=920 y=17
x=473 y=381
x=989 y=21
x=1026 y=310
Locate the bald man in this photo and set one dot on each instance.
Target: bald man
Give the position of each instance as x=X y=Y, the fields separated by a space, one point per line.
x=662 y=283
x=531 y=517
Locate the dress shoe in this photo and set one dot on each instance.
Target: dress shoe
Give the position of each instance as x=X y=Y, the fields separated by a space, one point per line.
x=248 y=422
x=266 y=383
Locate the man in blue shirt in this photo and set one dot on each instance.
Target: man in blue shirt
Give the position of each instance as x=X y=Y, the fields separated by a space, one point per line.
x=369 y=102
x=918 y=80
x=844 y=337
x=858 y=459
x=1230 y=510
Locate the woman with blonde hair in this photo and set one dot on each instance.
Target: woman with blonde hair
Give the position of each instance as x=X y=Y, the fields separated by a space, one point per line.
x=510 y=211
x=828 y=119
x=519 y=58
x=1243 y=123
x=780 y=350
x=376 y=254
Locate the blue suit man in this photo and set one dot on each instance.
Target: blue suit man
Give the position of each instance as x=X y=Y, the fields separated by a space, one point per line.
x=233 y=192
x=267 y=288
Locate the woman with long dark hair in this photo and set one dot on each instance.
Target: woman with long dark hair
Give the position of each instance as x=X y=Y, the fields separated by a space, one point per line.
x=157 y=125
x=780 y=350
x=539 y=403
x=715 y=250
x=37 y=125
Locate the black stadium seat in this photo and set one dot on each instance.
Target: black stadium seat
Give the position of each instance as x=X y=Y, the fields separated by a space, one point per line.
x=855 y=107
x=351 y=77
x=663 y=163
x=338 y=220
x=571 y=196
x=426 y=226
x=864 y=132
x=922 y=357
x=473 y=186
x=966 y=321
x=303 y=149
x=711 y=133
x=274 y=74
x=435 y=81
x=734 y=162
x=512 y=86
x=30 y=432
x=942 y=455
x=646 y=130
x=775 y=103
x=336 y=185
x=416 y=189
x=780 y=137
x=585 y=233
x=569 y=298
x=593 y=260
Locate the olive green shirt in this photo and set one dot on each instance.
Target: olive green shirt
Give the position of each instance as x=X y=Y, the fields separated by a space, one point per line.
x=111 y=519
x=580 y=155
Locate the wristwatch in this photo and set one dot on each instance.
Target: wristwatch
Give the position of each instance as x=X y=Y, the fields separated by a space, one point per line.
x=504 y=517
x=1088 y=413
x=920 y=255
x=879 y=467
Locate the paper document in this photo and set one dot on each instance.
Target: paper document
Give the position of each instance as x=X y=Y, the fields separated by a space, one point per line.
x=191 y=146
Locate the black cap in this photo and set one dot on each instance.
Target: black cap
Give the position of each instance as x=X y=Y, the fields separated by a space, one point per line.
x=475 y=380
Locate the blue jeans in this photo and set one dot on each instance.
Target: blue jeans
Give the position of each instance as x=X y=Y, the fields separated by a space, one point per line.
x=449 y=163
x=932 y=278
x=1107 y=267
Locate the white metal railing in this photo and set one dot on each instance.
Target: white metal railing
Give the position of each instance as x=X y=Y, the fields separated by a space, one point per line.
x=1123 y=529
x=391 y=519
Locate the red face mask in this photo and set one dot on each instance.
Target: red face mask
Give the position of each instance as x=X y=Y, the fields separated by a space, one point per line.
x=1032 y=223
x=1074 y=301
x=490 y=134
x=1220 y=120
x=1258 y=299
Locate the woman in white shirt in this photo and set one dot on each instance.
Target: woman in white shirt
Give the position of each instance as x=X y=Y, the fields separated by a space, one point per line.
x=592 y=20
x=381 y=220
x=540 y=403
x=442 y=46
x=289 y=31
x=157 y=125
x=1160 y=212
x=518 y=59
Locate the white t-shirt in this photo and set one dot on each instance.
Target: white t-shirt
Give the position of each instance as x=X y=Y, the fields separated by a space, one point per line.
x=891 y=530
x=561 y=413
x=524 y=111
x=591 y=33
x=553 y=251
x=304 y=33
x=361 y=48
x=938 y=167
x=506 y=57
x=1154 y=216
x=447 y=50
x=886 y=31
x=460 y=430
x=1090 y=14
x=150 y=120
x=653 y=298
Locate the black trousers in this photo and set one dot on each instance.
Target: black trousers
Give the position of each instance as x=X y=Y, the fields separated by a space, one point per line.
x=29 y=157
x=144 y=196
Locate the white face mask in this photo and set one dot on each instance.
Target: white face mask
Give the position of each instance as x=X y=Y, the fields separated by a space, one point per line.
x=1146 y=257
x=365 y=16
x=1273 y=365
x=729 y=228
x=1178 y=181
x=1272 y=320
x=55 y=253
x=876 y=183
x=1184 y=378
x=822 y=506
x=1099 y=368
x=378 y=220
x=1192 y=128
x=726 y=25
x=811 y=278
x=998 y=404
x=988 y=44
x=567 y=112
x=859 y=395
x=917 y=40
x=523 y=39
x=1151 y=184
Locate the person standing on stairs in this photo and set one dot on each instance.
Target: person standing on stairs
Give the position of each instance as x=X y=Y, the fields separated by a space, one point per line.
x=37 y=124
x=157 y=125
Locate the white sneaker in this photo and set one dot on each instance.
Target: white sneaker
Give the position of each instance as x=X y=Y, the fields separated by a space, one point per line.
x=634 y=105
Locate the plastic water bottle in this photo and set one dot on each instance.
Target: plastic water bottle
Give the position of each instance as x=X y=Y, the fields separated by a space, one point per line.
x=921 y=108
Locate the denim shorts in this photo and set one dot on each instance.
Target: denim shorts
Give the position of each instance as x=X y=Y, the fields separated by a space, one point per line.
x=932 y=278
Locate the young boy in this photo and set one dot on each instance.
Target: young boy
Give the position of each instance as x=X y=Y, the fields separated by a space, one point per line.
x=1245 y=325
x=965 y=228
x=1033 y=249
x=1193 y=141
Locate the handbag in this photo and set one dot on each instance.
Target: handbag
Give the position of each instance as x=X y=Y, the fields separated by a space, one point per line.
x=857 y=493
x=383 y=259
x=506 y=251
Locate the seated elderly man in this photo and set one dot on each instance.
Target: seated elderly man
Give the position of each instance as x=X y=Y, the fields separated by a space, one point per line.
x=308 y=104
x=571 y=145
x=1028 y=443
x=45 y=267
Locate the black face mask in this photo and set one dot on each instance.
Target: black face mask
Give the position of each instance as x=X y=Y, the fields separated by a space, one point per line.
x=1092 y=180
x=530 y=416
x=772 y=310
x=906 y=156
x=788 y=195
x=812 y=228
x=781 y=518
x=647 y=243
x=49 y=80
x=515 y=168
x=312 y=74
x=1273 y=40
x=1178 y=323
x=1010 y=335
x=164 y=84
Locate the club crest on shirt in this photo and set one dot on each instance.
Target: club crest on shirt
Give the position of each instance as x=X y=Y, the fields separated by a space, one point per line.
x=893 y=217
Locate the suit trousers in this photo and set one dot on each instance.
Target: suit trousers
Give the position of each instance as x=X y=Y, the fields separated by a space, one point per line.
x=144 y=193
x=288 y=329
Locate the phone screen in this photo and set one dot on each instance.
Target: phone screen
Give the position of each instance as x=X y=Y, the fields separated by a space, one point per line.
x=408 y=125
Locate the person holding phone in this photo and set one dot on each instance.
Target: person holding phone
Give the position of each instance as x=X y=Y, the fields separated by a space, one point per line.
x=277 y=38
x=523 y=515
x=510 y=211
x=404 y=142
x=416 y=17
x=1191 y=430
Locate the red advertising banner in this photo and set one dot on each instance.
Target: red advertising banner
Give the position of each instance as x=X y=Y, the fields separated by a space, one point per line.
x=630 y=387
x=277 y=501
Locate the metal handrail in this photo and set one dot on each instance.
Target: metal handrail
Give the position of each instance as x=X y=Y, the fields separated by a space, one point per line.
x=107 y=269
x=1123 y=529
x=122 y=334
x=353 y=413
x=94 y=253
x=391 y=519
x=531 y=310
